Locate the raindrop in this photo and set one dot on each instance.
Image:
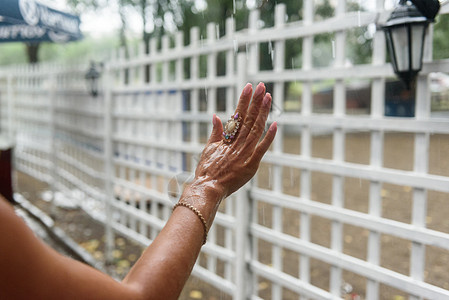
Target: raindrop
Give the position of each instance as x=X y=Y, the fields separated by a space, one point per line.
x=176 y=185
x=196 y=158
x=292 y=180
x=333 y=48
x=358 y=13
x=269 y=176
x=275 y=113
x=263 y=214
x=233 y=6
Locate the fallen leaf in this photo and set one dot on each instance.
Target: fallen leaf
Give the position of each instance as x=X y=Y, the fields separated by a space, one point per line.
x=123 y=264
x=117 y=254
x=120 y=242
x=263 y=285
x=98 y=255
x=196 y=294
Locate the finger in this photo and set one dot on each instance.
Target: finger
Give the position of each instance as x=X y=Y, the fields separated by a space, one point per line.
x=217 y=130
x=244 y=100
x=263 y=146
x=253 y=110
x=259 y=125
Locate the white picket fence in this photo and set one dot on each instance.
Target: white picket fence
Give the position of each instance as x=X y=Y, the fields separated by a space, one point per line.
x=124 y=155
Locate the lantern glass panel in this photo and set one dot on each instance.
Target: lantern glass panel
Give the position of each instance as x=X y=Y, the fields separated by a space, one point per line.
x=418 y=31
x=391 y=49
x=401 y=44
x=93 y=82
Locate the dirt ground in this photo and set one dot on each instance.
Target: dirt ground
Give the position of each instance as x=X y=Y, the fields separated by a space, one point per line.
x=396 y=205
x=90 y=234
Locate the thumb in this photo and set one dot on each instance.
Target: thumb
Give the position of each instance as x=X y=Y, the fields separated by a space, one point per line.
x=217 y=131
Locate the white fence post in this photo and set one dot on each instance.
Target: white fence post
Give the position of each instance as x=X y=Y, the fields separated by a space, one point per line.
x=421 y=165
x=376 y=157
x=338 y=151
x=278 y=100
x=242 y=213
x=306 y=140
x=108 y=162
x=53 y=151
x=11 y=129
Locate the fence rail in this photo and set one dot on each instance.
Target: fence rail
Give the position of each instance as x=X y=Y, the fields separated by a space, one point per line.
x=340 y=198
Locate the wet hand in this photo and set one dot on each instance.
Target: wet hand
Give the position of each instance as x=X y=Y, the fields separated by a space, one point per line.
x=227 y=163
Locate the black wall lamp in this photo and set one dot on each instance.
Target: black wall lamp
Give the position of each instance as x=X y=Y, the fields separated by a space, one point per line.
x=92 y=79
x=405 y=32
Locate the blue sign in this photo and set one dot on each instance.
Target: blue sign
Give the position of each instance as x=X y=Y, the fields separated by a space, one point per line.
x=30 y=21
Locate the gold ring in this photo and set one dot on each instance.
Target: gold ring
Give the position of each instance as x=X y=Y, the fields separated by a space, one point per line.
x=231 y=128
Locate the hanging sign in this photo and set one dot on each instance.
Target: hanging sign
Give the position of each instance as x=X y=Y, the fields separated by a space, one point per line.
x=31 y=21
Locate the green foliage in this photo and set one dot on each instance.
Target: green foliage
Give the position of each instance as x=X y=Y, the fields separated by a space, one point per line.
x=12 y=54
x=324 y=10
x=186 y=14
x=216 y=11
x=441 y=37
x=97 y=49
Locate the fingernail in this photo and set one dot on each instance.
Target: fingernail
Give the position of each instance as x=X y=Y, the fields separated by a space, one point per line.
x=214 y=120
x=247 y=89
x=259 y=89
x=266 y=99
x=274 y=126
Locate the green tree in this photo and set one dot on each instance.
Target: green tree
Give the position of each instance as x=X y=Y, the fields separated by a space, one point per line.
x=440 y=37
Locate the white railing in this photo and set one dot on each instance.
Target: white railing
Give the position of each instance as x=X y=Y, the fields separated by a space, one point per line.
x=332 y=202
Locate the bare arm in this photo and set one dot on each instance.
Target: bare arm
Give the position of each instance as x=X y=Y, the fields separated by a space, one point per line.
x=223 y=168
x=29 y=267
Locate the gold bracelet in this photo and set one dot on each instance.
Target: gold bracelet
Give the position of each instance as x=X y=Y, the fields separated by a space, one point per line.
x=198 y=213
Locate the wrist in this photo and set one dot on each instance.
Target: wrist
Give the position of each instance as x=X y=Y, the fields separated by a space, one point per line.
x=204 y=195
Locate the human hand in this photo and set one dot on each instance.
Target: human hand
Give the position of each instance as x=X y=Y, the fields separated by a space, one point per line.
x=227 y=166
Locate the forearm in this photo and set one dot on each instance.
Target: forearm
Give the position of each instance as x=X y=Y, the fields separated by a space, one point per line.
x=166 y=264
